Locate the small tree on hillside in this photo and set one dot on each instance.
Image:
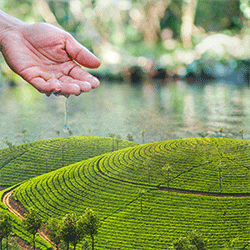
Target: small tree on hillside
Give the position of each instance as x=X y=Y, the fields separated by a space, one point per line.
x=90 y=222
x=197 y=240
x=53 y=230
x=203 y=134
x=143 y=136
x=33 y=224
x=118 y=139
x=112 y=135
x=193 y=241
x=130 y=137
x=5 y=228
x=9 y=144
x=241 y=132
x=221 y=131
x=70 y=231
x=181 y=244
x=167 y=169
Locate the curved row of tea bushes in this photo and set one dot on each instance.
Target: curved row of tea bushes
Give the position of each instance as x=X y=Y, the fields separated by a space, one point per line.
x=208 y=165
x=26 y=161
x=135 y=214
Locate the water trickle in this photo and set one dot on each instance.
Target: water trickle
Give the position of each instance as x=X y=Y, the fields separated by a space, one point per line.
x=66 y=127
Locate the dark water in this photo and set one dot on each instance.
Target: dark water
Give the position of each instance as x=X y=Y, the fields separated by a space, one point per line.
x=164 y=111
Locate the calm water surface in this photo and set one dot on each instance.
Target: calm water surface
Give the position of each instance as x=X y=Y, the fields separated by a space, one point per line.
x=164 y=111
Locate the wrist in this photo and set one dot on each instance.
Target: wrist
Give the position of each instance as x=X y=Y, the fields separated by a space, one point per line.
x=9 y=25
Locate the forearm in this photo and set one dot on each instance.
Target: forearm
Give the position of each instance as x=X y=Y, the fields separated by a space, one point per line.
x=8 y=23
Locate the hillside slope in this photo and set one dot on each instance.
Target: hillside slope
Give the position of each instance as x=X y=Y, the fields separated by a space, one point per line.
x=32 y=159
x=126 y=189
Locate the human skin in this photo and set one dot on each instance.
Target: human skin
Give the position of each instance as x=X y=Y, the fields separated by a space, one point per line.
x=47 y=57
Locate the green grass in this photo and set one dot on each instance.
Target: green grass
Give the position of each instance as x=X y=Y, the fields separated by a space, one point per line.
x=110 y=184
x=28 y=160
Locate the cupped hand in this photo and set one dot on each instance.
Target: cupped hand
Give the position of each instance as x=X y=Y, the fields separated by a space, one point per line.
x=49 y=59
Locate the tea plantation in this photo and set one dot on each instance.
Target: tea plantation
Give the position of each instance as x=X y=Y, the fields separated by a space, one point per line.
x=28 y=160
x=148 y=195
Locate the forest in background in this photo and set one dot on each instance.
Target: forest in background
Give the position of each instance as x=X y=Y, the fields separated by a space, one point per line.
x=138 y=39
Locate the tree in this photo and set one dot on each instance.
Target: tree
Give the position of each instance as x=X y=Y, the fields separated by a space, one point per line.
x=24 y=135
x=8 y=143
x=221 y=131
x=118 y=139
x=181 y=244
x=143 y=136
x=241 y=132
x=91 y=223
x=197 y=240
x=167 y=169
x=5 y=228
x=71 y=232
x=193 y=241
x=130 y=137
x=203 y=134
x=33 y=224
x=53 y=230
x=112 y=135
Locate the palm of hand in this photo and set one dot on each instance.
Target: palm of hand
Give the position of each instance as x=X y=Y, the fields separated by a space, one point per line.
x=46 y=57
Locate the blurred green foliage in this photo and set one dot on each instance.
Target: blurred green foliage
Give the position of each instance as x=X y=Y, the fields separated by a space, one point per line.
x=146 y=33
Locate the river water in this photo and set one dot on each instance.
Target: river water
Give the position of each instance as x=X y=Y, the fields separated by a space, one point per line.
x=169 y=110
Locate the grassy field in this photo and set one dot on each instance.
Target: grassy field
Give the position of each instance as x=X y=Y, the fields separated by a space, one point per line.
x=128 y=189
x=28 y=160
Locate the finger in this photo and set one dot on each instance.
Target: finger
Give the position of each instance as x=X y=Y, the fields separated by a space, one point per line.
x=79 y=74
x=73 y=86
x=47 y=87
x=70 y=89
x=81 y=54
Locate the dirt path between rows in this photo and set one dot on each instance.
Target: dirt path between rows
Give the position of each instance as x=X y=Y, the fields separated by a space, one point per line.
x=7 y=202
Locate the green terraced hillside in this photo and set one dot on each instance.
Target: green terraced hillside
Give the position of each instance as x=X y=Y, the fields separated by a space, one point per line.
x=112 y=184
x=32 y=159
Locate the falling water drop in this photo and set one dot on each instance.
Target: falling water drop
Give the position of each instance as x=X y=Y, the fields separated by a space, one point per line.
x=66 y=127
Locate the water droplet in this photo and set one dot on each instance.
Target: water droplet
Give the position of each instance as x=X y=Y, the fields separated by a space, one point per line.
x=66 y=128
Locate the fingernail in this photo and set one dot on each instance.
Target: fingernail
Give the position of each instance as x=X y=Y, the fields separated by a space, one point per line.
x=79 y=93
x=58 y=87
x=95 y=82
x=88 y=86
x=76 y=89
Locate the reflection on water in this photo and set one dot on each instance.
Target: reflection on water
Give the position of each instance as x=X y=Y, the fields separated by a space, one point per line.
x=165 y=111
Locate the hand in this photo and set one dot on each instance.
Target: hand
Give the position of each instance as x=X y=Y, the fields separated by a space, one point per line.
x=48 y=58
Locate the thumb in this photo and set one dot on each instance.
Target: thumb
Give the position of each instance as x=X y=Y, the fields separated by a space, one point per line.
x=81 y=54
